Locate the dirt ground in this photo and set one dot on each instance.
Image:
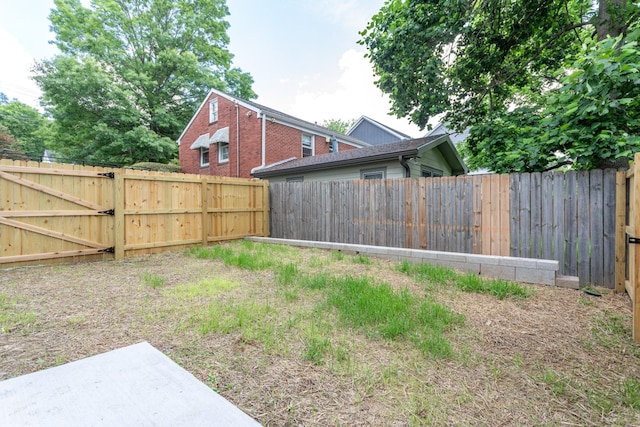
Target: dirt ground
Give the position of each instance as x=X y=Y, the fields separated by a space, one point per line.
x=560 y=357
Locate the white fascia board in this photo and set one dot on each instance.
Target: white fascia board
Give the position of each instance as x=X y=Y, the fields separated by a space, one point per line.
x=355 y=125
x=235 y=100
x=179 y=140
x=204 y=102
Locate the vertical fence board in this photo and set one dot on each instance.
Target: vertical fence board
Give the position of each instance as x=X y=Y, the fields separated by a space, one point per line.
x=570 y=225
x=560 y=246
x=486 y=209
x=505 y=230
x=597 y=227
x=514 y=207
x=525 y=215
x=583 y=227
x=546 y=211
x=609 y=226
x=536 y=215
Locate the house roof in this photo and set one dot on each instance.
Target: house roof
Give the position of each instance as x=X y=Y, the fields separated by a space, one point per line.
x=379 y=125
x=366 y=155
x=443 y=129
x=277 y=116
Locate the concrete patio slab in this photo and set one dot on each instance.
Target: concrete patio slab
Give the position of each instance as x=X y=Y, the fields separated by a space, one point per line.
x=131 y=386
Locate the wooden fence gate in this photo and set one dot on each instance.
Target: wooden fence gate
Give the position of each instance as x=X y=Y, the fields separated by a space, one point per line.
x=54 y=213
x=632 y=284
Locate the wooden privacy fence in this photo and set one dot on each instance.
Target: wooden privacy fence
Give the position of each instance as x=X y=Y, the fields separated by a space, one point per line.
x=632 y=231
x=58 y=212
x=569 y=217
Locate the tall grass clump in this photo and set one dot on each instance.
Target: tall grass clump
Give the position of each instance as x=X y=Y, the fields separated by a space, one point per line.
x=243 y=258
x=499 y=288
x=287 y=273
x=428 y=272
x=381 y=311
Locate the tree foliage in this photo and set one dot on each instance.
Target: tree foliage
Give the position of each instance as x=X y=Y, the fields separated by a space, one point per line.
x=32 y=132
x=490 y=65
x=338 y=125
x=9 y=148
x=132 y=73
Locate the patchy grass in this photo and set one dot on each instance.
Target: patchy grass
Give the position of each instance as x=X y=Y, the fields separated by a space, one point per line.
x=153 y=280
x=441 y=276
x=309 y=337
x=13 y=318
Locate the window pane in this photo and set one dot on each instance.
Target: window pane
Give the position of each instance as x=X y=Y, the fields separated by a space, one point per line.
x=307 y=145
x=213 y=110
x=372 y=175
x=204 y=156
x=223 y=152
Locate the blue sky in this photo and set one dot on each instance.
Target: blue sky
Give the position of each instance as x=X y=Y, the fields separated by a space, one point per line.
x=303 y=55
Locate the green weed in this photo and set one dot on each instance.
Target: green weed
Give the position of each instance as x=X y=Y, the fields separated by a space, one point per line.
x=12 y=318
x=255 y=322
x=153 y=280
x=630 y=392
x=243 y=258
x=361 y=259
x=337 y=256
x=499 y=288
x=557 y=384
x=286 y=273
x=316 y=281
x=428 y=272
x=316 y=349
x=381 y=311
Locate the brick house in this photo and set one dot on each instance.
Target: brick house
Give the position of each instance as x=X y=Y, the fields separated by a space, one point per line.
x=229 y=136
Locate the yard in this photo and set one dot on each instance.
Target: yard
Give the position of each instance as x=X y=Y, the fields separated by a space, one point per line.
x=309 y=337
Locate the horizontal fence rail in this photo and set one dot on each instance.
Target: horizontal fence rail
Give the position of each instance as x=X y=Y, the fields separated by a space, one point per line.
x=54 y=212
x=569 y=217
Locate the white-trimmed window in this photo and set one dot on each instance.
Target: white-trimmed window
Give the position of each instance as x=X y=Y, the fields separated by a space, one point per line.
x=307 y=145
x=213 y=110
x=377 y=173
x=223 y=152
x=204 y=156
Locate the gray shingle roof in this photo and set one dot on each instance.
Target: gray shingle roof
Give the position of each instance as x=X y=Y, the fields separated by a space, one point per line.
x=350 y=157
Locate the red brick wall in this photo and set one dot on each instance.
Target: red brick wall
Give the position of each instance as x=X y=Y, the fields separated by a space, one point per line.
x=282 y=142
x=250 y=140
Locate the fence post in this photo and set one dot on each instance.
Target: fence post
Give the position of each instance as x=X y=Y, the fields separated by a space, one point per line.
x=266 y=216
x=205 y=214
x=636 y=271
x=620 y=249
x=119 y=214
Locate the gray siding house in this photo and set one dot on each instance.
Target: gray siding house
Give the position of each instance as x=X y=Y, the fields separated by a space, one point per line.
x=413 y=158
x=375 y=133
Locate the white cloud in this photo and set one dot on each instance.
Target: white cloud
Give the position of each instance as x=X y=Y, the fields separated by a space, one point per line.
x=355 y=95
x=15 y=73
x=350 y=14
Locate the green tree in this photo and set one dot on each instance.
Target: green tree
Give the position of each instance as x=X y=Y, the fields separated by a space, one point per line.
x=9 y=148
x=338 y=125
x=132 y=73
x=490 y=65
x=32 y=131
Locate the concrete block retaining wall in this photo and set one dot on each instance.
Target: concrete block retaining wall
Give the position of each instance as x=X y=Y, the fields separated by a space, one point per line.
x=529 y=270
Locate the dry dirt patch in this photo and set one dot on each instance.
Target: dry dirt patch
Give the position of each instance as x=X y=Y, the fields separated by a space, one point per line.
x=558 y=357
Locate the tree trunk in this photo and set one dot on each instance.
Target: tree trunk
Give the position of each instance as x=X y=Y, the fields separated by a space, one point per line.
x=611 y=20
